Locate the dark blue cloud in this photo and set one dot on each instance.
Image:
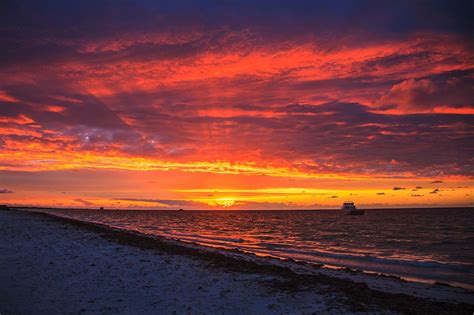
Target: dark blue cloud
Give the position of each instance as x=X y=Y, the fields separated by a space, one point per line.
x=89 y=19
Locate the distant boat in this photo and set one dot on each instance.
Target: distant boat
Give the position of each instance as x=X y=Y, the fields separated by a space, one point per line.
x=349 y=208
x=180 y=209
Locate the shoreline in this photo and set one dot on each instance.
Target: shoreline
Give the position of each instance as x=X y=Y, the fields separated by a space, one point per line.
x=359 y=292
x=347 y=264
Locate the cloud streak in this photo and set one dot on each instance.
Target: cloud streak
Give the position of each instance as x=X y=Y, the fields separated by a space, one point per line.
x=166 y=202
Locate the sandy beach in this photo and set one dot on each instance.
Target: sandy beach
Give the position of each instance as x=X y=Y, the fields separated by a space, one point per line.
x=52 y=265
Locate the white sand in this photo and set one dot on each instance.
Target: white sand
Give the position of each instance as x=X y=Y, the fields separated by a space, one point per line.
x=50 y=267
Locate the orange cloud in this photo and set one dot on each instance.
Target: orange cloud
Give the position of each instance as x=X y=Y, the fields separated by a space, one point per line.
x=21 y=119
x=7 y=98
x=236 y=104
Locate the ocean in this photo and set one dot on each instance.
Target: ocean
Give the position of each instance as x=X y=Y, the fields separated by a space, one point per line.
x=426 y=245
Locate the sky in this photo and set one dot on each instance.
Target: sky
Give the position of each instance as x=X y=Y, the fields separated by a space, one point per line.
x=236 y=104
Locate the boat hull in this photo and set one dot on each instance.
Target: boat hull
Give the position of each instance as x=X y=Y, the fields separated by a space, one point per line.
x=355 y=212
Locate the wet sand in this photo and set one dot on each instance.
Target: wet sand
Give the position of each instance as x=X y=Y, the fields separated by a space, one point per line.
x=56 y=265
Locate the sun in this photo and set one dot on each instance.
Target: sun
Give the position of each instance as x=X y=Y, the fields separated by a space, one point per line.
x=225 y=202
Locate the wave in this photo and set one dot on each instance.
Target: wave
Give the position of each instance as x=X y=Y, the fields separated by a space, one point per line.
x=197 y=237
x=392 y=266
x=413 y=270
x=320 y=256
x=385 y=261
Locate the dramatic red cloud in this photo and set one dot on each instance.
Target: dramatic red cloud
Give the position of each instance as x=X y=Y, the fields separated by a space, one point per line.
x=306 y=99
x=427 y=96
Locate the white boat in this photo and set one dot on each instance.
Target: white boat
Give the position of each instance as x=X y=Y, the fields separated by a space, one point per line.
x=349 y=208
